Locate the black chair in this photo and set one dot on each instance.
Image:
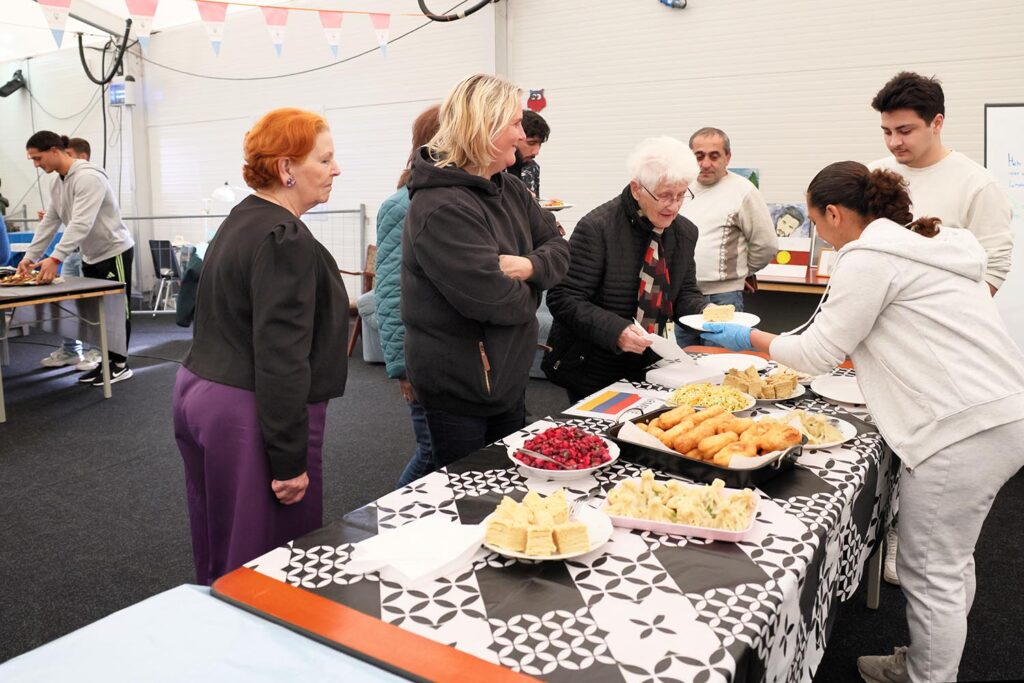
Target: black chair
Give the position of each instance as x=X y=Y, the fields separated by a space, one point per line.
x=168 y=271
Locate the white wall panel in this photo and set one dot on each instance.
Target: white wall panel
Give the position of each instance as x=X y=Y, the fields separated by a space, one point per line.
x=790 y=80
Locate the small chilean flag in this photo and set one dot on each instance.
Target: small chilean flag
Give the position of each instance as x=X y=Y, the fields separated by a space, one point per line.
x=382 y=27
x=212 y=14
x=142 y=12
x=56 y=13
x=331 y=21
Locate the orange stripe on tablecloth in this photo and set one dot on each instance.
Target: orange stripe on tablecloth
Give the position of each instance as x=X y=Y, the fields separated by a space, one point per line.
x=353 y=632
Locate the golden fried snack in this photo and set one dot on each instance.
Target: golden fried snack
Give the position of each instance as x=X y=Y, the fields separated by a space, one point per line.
x=689 y=440
x=738 y=425
x=654 y=430
x=724 y=456
x=779 y=437
x=757 y=430
x=712 y=444
x=674 y=416
x=642 y=426
x=707 y=414
x=695 y=454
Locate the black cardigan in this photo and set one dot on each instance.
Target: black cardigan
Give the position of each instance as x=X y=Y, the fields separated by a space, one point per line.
x=272 y=317
x=597 y=300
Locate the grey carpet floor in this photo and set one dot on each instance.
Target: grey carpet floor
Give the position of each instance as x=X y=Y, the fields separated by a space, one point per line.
x=93 y=516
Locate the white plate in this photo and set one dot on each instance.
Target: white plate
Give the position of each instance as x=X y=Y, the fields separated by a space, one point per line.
x=723 y=362
x=751 y=402
x=800 y=391
x=697 y=321
x=841 y=389
x=517 y=440
x=599 y=530
x=554 y=207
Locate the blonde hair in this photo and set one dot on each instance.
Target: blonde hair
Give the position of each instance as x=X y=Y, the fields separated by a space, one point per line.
x=472 y=115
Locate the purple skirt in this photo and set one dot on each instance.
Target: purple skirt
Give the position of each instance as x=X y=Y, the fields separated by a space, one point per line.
x=234 y=514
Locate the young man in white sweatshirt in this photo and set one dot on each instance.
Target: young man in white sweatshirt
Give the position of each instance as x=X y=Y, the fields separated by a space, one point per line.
x=942 y=183
x=81 y=198
x=736 y=234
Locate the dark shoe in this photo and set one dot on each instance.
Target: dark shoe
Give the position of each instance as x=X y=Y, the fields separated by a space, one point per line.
x=118 y=373
x=90 y=377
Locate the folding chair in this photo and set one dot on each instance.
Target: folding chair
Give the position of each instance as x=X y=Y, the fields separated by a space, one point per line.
x=369 y=273
x=168 y=270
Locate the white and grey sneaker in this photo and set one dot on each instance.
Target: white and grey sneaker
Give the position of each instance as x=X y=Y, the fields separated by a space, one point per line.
x=885 y=668
x=118 y=373
x=90 y=360
x=891 y=542
x=60 y=358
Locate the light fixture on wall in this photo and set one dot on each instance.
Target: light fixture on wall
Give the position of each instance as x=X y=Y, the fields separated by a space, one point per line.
x=16 y=83
x=228 y=193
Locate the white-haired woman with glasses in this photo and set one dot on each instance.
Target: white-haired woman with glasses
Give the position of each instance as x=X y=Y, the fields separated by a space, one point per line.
x=632 y=259
x=477 y=253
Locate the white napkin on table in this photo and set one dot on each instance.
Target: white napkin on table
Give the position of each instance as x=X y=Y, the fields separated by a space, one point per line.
x=420 y=551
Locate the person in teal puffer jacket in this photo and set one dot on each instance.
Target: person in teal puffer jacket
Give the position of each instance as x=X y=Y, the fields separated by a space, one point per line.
x=390 y=219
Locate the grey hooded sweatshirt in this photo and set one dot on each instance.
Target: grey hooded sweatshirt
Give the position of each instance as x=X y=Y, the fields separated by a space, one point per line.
x=84 y=202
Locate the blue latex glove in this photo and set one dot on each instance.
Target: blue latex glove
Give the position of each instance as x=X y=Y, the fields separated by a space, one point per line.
x=730 y=335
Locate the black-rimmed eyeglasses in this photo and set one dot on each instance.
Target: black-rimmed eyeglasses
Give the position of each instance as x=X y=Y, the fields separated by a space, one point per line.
x=668 y=199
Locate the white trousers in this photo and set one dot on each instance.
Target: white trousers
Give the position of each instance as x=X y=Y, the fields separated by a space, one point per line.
x=943 y=504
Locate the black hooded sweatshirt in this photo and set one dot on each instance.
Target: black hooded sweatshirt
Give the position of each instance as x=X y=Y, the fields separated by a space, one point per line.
x=470 y=330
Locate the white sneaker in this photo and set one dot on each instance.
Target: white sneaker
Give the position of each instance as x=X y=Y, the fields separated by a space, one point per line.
x=90 y=360
x=891 y=541
x=60 y=358
x=886 y=668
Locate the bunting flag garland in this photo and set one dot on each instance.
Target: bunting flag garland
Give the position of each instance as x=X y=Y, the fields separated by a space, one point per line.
x=331 y=21
x=142 y=12
x=56 y=13
x=277 y=19
x=382 y=27
x=213 y=14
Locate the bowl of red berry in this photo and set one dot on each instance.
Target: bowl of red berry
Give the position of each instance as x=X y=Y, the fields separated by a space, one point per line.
x=574 y=452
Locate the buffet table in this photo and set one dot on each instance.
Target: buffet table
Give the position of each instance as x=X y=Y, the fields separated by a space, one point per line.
x=645 y=606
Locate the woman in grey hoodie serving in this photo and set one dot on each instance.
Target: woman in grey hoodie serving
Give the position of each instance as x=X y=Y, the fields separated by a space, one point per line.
x=908 y=303
x=477 y=252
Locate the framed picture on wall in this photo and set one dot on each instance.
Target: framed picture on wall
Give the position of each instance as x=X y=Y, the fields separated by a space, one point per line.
x=827 y=262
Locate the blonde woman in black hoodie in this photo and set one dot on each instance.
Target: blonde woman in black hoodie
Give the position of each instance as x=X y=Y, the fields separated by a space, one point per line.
x=477 y=252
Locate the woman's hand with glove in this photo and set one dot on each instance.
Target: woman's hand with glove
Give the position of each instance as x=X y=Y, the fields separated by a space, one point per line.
x=730 y=335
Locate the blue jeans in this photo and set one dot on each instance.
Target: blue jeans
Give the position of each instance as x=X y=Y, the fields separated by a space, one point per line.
x=72 y=267
x=420 y=465
x=686 y=336
x=456 y=436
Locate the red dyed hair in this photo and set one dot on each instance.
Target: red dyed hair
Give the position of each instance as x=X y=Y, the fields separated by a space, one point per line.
x=281 y=134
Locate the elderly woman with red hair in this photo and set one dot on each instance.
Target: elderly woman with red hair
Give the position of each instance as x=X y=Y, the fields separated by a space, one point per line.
x=268 y=352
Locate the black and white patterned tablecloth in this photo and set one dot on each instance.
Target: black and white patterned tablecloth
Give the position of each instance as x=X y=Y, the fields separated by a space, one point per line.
x=645 y=606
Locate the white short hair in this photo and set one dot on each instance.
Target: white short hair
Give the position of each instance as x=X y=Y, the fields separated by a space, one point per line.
x=662 y=159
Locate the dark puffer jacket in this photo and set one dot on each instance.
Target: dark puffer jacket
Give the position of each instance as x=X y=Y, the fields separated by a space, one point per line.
x=597 y=300
x=470 y=330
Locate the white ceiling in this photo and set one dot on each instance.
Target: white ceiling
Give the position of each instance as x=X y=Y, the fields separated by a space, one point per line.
x=24 y=32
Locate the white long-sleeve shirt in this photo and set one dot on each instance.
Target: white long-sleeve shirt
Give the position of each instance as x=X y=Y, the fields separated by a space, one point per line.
x=934 y=360
x=737 y=236
x=962 y=194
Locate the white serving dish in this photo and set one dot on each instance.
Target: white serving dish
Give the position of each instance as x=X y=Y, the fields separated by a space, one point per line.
x=723 y=362
x=516 y=441
x=841 y=389
x=686 y=529
x=697 y=321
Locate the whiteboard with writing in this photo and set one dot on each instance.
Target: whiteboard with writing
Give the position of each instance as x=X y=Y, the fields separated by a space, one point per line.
x=1004 y=158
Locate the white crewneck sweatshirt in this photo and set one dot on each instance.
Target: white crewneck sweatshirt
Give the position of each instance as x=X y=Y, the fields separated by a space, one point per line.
x=962 y=194
x=934 y=360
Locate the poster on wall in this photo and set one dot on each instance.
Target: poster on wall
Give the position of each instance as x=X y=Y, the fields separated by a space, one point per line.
x=1004 y=158
x=751 y=174
x=793 y=228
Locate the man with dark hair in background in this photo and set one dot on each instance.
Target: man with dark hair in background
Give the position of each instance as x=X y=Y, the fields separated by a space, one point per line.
x=526 y=167
x=942 y=182
x=81 y=198
x=72 y=351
